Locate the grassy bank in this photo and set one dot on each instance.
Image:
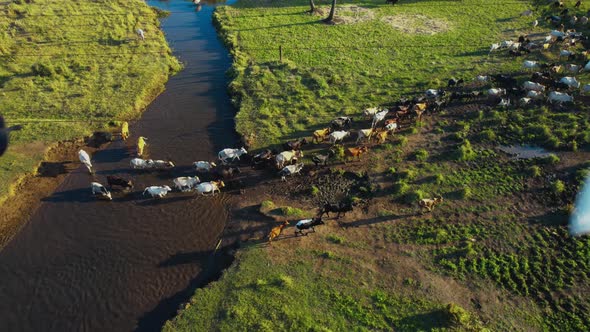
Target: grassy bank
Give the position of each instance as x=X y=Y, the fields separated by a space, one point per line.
x=498 y=246
x=340 y=69
x=67 y=68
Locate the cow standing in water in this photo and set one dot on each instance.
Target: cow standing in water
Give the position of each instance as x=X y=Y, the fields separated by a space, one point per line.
x=124 y=130
x=141 y=144
x=85 y=159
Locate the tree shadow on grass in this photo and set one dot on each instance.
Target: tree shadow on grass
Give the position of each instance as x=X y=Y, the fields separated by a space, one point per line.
x=280 y=26
x=428 y=321
x=376 y=220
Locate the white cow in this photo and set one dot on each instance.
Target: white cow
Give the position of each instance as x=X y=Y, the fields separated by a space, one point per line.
x=528 y=85
x=482 y=78
x=210 y=187
x=506 y=44
x=186 y=183
x=99 y=189
x=162 y=164
x=364 y=134
x=338 y=136
x=85 y=159
x=529 y=64
x=370 y=112
x=496 y=92
x=570 y=81
x=138 y=163
x=157 y=191
x=391 y=127
x=287 y=157
x=231 y=154
x=559 y=97
x=203 y=166
x=494 y=47
x=586 y=88
x=141 y=34
x=504 y=102
x=534 y=94
x=290 y=170
x=379 y=117
x=524 y=101
x=587 y=66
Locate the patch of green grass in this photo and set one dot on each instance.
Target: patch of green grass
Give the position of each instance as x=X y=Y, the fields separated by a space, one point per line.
x=335 y=239
x=82 y=71
x=338 y=70
x=251 y=295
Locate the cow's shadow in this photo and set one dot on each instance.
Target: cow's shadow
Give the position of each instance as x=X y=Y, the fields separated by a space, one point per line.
x=148 y=201
x=81 y=195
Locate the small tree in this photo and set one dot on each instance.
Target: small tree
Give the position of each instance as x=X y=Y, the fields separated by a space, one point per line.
x=332 y=11
x=311 y=7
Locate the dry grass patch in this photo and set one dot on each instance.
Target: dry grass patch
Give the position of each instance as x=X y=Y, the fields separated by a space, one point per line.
x=417 y=24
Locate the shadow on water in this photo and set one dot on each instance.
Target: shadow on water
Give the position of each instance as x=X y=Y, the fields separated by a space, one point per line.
x=216 y=262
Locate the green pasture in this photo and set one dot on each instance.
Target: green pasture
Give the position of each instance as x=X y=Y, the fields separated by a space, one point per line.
x=67 y=68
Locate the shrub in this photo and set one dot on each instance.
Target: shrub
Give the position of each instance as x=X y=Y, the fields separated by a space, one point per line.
x=465 y=152
x=457 y=315
x=339 y=152
x=558 y=187
x=291 y=211
x=465 y=193
x=408 y=174
x=487 y=135
x=315 y=191
x=439 y=179
x=391 y=171
x=552 y=159
x=42 y=69
x=402 y=141
x=414 y=196
x=400 y=188
x=535 y=171
x=335 y=239
x=421 y=155
x=267 y=205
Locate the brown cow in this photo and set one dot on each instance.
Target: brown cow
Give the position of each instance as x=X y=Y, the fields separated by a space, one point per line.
x=321 y=134
x=355 y=152
x=419 y=109
x=276 y=231
x=381 y=136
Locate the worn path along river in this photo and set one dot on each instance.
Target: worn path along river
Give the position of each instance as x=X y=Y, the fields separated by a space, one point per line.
x=85 y=265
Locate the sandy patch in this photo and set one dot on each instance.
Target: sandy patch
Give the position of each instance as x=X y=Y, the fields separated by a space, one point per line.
x=348 y=14
x=417 y=24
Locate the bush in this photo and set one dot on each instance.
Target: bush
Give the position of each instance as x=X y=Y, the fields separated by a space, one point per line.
x=487 y=135
x=439 y=179
x=465 y=193
x=421 y=155
x=402 y=141
x=414 y=196
x=400 y=188
x=391 y=171
x=335 y=239
x=558 y=187
x=535 y=171
x=44 y=70
x=267 y=205
x=315 y=191
x=465 y=152
x=552 y=159
x=457 y=315
x=409 y=174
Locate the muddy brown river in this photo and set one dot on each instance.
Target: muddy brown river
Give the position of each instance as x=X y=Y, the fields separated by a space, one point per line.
x=85 y=265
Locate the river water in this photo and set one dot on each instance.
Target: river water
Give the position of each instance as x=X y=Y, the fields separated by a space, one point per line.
x=85 y=265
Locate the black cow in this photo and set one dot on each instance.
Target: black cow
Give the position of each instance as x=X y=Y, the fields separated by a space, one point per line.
x=263 y=158
x=336 y=208
x=117 y=181
x=307 y=224
x=455 y=82
x=225 y=172
x=295 y=145
x=322 y=159
x=341 y=123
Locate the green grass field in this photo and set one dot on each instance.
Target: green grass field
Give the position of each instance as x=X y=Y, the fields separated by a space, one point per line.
x=341 y=69
x=67 y=68
x=498 y=246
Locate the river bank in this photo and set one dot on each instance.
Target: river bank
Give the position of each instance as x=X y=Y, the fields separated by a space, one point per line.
x=495 y=252
x=55 y=82
x=83 y=264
